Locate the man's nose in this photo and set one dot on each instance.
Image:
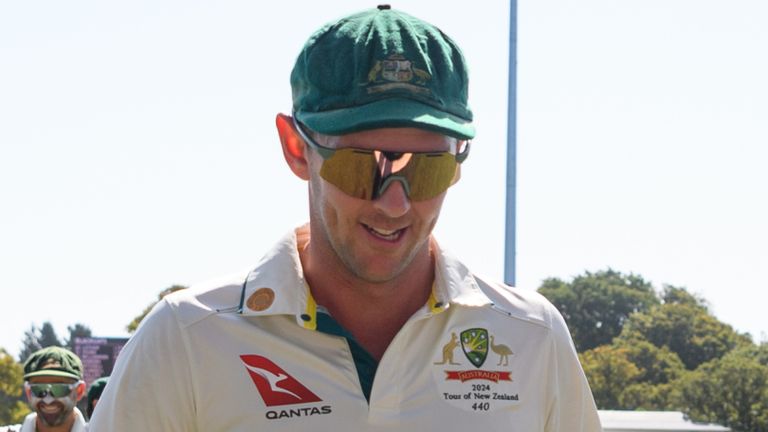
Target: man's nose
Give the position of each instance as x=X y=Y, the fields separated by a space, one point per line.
x=393 y=201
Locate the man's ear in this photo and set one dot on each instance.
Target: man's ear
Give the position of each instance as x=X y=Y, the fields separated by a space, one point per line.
x=80 y=390
x=294 y=149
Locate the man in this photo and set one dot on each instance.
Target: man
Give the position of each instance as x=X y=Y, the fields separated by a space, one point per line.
x=53 y=383
x=358 y=320
x=94 y=394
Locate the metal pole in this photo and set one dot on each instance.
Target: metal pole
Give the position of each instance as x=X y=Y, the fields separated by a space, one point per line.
x=510 y=250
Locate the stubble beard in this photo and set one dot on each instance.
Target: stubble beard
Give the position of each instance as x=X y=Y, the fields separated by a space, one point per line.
x=56 y=419
x=345 y=254
x=347 y=257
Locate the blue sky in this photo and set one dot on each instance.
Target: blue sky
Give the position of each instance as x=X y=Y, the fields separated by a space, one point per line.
x=138 y=150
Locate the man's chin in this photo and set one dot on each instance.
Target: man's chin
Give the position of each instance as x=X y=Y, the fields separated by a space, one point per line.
x=51 y=419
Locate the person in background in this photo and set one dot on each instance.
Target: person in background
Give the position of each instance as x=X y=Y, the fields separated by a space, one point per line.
x=53 y=384
x=359 y=320
x=94 y=393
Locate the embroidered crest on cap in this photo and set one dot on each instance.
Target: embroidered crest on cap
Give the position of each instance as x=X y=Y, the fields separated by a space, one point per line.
x=51 y=364
x=397 y=72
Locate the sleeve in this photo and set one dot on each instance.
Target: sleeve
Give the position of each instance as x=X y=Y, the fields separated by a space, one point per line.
x=151 y=387
x=573 y=408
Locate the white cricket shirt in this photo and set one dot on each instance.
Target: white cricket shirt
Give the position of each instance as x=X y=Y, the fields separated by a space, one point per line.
x=244 y=354
x=30 y=422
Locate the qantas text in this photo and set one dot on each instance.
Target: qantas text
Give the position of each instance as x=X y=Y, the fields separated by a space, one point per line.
x=298 y=412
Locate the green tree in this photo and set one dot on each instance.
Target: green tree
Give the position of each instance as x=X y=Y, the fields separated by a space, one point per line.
x=76 y=331
x=632 y=376
x=30 y=343
x=609 y=371
x=652 y=388
x=678 y=295
x=732 y=391
x=36 y=339
x=12 y=408
x=662 y=352
x=760 y=353
x=48 y=336
x=686 y=329
x=134 y=324
x=596 y=305
x=649 y=397
x=657 y=365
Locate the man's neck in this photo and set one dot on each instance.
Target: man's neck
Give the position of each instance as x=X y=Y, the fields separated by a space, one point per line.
x=372 y=312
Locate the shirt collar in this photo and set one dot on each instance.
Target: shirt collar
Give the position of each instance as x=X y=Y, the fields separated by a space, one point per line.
x=454 y=282
x=30 y=422
x=80 y=423
x=277 y=285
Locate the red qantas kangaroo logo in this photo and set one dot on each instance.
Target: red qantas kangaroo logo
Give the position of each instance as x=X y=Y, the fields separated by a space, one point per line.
x=274 y=384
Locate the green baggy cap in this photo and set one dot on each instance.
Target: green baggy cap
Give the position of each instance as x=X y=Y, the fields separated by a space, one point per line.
x=381 y=68
x=94 y=392
x=53 y=361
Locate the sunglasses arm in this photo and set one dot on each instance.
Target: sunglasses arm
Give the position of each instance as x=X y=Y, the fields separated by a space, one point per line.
x=324 y=152
x=461 y=157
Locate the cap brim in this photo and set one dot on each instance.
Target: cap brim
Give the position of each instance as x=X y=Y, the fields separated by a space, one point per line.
x=51 y=372
x=387 y=113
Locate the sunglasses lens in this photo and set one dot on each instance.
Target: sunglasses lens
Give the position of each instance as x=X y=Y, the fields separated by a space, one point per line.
x=60 y=390
x=355 y=172
x=39 y=390
x=55 y=390
x=430 y=174
x=351 y=170
x=365 y=174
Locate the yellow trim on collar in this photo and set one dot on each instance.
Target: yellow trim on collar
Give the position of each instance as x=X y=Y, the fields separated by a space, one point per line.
x=310 y=312
x=435 y=307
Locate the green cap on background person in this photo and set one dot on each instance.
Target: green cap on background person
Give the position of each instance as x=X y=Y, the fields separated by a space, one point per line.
x=381 y=68
x=94 y=393
x=53 y=361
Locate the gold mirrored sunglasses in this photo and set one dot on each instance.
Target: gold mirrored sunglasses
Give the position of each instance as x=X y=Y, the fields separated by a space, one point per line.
x=366 y=173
